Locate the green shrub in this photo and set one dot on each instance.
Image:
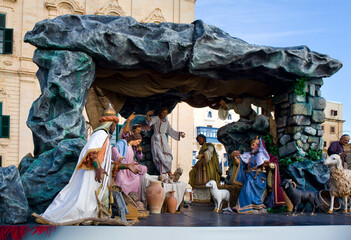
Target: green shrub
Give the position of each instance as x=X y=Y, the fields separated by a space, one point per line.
x=300 y=85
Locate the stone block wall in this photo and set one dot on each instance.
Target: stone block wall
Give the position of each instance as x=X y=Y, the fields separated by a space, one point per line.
x=299 y=120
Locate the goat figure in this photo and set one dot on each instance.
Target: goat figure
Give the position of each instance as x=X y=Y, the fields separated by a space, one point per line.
x=218 y=196
x=340 y=181
x=297 y=196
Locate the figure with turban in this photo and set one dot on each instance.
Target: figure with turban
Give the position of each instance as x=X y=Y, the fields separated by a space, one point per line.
x=77 y=200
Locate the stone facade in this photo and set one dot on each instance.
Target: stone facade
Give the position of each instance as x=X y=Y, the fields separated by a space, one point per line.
x=333 y=125
x=299 y=120
x=19 y=86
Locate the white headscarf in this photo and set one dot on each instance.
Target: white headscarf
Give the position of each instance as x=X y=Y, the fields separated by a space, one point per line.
x=261 y=156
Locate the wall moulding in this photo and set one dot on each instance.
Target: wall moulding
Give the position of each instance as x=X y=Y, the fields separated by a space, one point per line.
x=112 y=8
x=155 y=16
x=7 y=2
x=61 y=7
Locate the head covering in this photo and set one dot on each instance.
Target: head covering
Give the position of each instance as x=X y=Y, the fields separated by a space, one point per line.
x=201 y=135
x=107 y=119
x=108 y=115
x=122 y=147
x=261 y=156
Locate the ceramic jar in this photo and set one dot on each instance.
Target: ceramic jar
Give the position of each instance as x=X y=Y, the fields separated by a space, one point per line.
x=171 y=203
x=155 y=196
x=323 y=200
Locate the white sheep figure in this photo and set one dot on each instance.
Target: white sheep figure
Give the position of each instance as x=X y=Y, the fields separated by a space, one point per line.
x=340 y=180
x=218 y=196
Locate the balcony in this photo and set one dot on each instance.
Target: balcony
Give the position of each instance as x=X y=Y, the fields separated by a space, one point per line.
x=209 y=132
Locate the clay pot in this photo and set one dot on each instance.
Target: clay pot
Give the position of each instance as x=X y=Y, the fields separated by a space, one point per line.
x=155 y=196
x=172 y=203
x=323 y=201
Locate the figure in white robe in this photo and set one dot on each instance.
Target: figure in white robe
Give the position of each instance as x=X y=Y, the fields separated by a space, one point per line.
x=77 y=199
x=241 y=106
x=161 y=152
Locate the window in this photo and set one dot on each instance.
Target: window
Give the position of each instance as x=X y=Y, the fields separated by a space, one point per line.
x=226 y=160
x=6 y=36
x=333 y=113
x=229 y=116
x=209 y=114
x=323 y=128
x=332 y=129
x=4 y=124
x=324 y=144
x=194 y=158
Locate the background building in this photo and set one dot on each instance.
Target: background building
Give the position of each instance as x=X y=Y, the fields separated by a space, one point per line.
x=19 y=86
x=333 y=125
x=207 y=123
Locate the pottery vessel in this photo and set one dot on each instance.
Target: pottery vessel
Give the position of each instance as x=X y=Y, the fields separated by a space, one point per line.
x=323 y=201
x=155 y=196
x=172 y=203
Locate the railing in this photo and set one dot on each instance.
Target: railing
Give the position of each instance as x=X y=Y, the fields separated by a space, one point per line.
x=209 y=132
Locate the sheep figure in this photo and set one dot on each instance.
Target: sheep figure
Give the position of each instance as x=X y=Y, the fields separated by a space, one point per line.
x=297 y=196
x=218 y=196
x=340 y=181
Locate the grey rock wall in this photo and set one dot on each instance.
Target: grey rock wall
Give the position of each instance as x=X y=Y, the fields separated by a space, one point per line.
x=57 y=124
x=299 y=120
x=13 y=202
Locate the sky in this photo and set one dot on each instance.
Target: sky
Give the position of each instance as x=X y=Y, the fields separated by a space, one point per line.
x=324 y=26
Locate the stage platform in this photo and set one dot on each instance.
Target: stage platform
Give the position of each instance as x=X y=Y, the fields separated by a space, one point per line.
x=200 y=222
x=202 y=215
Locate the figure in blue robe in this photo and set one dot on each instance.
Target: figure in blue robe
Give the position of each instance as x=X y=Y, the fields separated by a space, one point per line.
x=252 y=176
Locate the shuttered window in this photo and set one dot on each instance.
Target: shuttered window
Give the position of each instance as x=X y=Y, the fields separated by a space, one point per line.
x=6 y=36
x=4 y=124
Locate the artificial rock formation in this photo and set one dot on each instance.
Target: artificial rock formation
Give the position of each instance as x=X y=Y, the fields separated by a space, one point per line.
x=309 y=175
x=13 y=202
x=138 y=65
x=195 y=63
x=57 y=124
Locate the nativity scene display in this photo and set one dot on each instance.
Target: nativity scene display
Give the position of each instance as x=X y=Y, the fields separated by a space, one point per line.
x=115 y=66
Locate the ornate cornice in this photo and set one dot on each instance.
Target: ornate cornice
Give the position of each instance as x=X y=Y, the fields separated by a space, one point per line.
x=61 y=7
x=111 y=8
x=7 y=2
x=155 y=16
